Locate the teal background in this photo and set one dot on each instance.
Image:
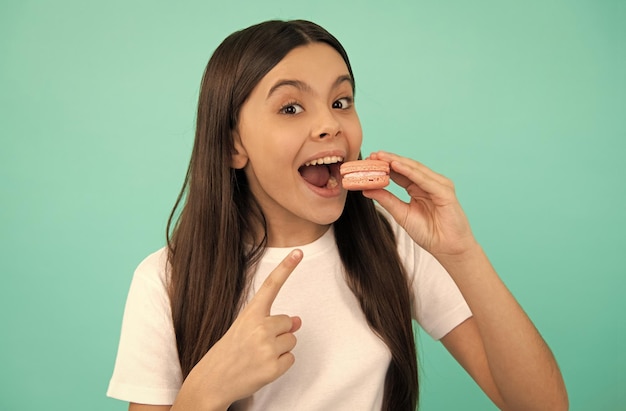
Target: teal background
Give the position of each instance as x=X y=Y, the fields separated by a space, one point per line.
x=522 y=104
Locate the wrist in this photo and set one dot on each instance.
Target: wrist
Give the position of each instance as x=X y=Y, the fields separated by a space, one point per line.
x=196 y=395
x=468 y=254
x=471 y=267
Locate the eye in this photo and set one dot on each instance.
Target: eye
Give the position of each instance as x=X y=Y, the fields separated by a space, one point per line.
x=291 y=109
x=343 y=103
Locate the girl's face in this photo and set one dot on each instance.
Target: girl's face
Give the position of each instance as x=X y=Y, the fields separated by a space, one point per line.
x=300 y=114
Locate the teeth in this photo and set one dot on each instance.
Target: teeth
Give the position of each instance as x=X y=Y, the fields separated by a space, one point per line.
x=324 y=160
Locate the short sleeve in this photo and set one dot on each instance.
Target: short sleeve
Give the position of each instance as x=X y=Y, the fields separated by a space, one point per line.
x=147 y=369
x=437 y=303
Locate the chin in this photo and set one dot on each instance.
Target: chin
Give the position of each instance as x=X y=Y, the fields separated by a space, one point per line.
x=329 y=216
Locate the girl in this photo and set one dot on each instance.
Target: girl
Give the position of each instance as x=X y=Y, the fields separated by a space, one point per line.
x=268 y=245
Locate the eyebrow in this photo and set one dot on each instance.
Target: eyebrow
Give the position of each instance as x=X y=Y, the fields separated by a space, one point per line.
x=302 y=86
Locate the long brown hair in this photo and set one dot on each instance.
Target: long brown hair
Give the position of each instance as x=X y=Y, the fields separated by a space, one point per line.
x=209 y=262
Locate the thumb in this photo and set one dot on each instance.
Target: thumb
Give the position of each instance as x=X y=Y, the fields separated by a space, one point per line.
x=396 y=207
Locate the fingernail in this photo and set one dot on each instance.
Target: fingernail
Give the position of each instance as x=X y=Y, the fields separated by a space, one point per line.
x=296 y=254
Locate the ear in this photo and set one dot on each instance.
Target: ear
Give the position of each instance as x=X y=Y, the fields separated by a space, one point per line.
x=239 y=157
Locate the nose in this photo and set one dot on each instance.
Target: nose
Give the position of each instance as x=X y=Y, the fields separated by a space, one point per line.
x=326 y=126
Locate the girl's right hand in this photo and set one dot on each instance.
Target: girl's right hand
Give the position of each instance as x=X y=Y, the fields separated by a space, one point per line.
x=255 y=350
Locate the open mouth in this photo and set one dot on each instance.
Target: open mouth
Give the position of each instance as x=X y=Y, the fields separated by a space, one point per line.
x=322 y=172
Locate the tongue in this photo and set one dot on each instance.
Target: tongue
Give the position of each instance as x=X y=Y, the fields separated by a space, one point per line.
x=316 y=175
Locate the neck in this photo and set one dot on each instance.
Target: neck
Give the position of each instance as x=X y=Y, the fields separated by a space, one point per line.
x=286 y=236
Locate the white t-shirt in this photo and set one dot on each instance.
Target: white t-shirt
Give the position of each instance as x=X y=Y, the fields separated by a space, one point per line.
x=340 y=363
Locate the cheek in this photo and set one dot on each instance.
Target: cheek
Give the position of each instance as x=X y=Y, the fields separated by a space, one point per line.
x=355 y=133
x=270 y=157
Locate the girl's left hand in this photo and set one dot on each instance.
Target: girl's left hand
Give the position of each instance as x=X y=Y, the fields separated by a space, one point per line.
x=433 y=217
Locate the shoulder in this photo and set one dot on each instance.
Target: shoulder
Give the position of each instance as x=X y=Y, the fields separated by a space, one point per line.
x=154 y=267
x=409 y=252
x=395 y=227
x=402 y=237
x=150 y=279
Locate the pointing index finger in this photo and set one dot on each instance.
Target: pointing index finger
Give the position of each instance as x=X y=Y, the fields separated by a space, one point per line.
x=264 y=298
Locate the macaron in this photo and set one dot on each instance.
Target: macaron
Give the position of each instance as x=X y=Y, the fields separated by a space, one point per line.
x=364 y=174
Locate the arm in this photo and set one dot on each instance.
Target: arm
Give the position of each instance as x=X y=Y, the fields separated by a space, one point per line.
x=465 y=345
x=499 y=347
x=502 y=337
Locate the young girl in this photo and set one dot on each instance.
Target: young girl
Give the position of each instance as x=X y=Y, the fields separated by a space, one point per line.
x=269 y=247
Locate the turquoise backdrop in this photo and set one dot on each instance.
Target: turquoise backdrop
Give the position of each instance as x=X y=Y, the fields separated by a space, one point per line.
x=522 y=104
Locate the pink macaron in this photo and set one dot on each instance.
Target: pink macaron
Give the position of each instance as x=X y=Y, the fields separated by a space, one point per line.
x=364 y=174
